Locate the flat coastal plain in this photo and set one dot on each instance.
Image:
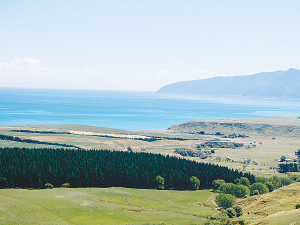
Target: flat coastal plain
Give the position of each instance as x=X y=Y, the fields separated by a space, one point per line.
x=258 y=144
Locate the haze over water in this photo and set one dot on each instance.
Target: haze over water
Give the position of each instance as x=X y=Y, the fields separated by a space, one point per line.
x=129 y=110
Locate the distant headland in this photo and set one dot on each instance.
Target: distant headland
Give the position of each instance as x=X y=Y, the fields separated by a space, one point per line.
x=278 y=85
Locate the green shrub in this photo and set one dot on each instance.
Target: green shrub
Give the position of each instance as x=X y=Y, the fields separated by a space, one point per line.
x=298 y=206
x=217 y=183
x=225 y=200
x=194 y=183
x=241 y=222
x=230 y=212
x=223 y=219
x=260 y=187
x=238 y=209
x=220 y=219
x=270 y=186
x=282 y=181
x=65 y=185
x=48 y=186
x=294 y=177
x=160 y=182
x=237 y=190
x=243 y=181
x=261 y=179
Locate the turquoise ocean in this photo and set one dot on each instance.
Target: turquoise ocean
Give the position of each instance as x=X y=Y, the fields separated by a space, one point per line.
x=130 y=110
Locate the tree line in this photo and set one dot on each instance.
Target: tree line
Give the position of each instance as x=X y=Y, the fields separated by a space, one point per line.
x=24 y=140
x=33 y=168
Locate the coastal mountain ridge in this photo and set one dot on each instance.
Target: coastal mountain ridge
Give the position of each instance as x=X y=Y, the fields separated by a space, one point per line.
x=279 y=85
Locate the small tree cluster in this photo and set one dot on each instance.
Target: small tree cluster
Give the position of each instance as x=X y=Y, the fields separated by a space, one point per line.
x=234 y=211
x=237 y=190
x=242 y=180
x=258 y=187
x=217 y=183
x=220 y=219
x=271 y=183
x=225 y=200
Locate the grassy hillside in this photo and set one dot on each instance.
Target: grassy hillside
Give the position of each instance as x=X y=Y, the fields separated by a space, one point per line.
x=277 y=207
x=140 y=206
x=104 y=206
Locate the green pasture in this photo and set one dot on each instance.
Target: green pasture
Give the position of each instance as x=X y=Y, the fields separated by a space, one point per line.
x=104 y=206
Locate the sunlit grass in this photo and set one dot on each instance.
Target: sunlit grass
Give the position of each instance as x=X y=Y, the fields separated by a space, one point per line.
x=103 y=206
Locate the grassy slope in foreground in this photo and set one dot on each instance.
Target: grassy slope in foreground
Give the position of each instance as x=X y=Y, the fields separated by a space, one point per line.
x=103 y=206
x=277 y=207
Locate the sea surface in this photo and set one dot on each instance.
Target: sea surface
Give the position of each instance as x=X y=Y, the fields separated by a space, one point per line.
x=129 y=110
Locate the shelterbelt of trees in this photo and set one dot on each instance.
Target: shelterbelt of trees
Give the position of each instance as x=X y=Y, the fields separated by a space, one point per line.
x=33 y=168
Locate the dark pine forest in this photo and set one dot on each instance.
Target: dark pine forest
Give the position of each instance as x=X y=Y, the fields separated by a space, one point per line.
x=33 y=168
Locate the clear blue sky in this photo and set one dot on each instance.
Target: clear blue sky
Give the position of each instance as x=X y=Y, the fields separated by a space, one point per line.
x=143 y=45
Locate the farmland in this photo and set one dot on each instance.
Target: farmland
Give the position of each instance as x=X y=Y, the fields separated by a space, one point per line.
x=247 y=145
x=263 y=141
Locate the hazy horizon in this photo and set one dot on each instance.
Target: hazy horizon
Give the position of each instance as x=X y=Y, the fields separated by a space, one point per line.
x=142 y=46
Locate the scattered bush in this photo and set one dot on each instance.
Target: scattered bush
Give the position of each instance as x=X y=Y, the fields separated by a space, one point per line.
x=48 y=186
x=65 y=185
x=238 y=209
x=271 y=183
x=231 y=212
x=241 y=222
x=298 y=206
x=284 y=181
x=281 y=181
x=270 y=186
x=295 y=177
x=220 y=219
x=217 y=183
x=243 y=180
x=224 y=219
x=225 y=200
x=260 y=187
x=237 y=190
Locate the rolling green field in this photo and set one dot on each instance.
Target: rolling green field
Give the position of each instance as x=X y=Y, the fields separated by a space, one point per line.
x=265 y=141
x=104 y=206
x=140 y=206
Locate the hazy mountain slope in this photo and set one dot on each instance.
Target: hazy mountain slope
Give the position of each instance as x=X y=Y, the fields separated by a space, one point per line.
x=279 y=84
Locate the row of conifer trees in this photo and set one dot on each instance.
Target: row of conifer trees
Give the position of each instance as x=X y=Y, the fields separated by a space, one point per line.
x=32 y=168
